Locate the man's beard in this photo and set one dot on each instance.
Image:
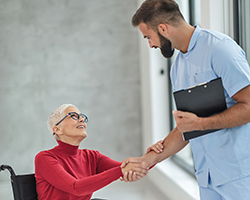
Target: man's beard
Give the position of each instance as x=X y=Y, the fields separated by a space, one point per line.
x=166 y=47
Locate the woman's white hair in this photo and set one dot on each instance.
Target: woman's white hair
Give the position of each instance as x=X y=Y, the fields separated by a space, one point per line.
x=55 y=117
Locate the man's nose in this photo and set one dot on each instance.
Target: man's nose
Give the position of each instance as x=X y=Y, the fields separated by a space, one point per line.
x=150 y=44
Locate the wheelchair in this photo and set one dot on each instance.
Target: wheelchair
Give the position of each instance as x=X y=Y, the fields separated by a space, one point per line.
x=24 y=186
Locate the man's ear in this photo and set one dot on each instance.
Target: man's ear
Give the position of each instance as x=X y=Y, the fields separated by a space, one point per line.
x=163 y=29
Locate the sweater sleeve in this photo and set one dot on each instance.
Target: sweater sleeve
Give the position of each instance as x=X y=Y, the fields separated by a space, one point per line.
x=48 y=167
x=105 y=163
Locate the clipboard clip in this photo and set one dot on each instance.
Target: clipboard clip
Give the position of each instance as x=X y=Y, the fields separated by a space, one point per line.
x=198 y=85
x=189 y=89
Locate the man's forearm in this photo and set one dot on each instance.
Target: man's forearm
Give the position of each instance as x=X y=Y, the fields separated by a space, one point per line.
x=173 y=143
x=235 y=116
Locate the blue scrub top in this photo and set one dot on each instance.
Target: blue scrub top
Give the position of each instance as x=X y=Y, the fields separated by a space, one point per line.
x=224 y=154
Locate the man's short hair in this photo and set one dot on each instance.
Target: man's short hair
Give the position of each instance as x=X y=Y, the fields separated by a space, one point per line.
x=155 y=12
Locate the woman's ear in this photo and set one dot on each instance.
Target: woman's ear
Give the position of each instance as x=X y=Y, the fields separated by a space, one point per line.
x=163 y=29
x=56 y=130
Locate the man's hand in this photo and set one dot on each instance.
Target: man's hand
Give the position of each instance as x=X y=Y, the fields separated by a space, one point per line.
x=131 y=160
x=138 y=161
x=133 y=172
x=133 y=168
x=157 y=147
x=186 y=121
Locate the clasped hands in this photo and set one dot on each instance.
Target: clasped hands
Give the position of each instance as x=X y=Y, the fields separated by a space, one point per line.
x=135 y=168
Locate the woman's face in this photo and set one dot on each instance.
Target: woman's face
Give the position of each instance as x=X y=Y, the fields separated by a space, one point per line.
x=71 y=128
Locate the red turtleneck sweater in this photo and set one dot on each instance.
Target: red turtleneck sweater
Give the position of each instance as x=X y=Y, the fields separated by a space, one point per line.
x=66 y=172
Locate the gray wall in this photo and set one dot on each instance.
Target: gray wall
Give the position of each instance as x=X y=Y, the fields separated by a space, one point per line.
x=81 y=52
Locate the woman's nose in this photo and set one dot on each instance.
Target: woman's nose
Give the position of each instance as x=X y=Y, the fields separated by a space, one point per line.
x=82 y=119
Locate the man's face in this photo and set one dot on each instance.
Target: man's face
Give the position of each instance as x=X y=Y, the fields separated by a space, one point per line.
x=156 y=40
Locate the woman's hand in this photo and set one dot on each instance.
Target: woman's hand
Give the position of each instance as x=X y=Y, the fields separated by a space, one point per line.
x=157 y=147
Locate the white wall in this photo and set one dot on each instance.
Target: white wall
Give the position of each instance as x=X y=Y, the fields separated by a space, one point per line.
x=80 y=52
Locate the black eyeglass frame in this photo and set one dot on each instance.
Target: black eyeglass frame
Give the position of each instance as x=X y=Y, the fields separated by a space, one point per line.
x=72 y=115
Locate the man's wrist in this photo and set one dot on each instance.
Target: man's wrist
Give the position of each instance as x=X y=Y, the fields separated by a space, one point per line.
x=203 y=123
x=148 y=159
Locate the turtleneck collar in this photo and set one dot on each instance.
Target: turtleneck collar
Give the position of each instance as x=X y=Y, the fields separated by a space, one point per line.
x=65 y=148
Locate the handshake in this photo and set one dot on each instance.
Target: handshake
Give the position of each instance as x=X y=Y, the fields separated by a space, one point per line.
x=135 y=168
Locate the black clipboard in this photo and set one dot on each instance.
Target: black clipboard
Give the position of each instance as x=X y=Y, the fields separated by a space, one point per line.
x=204 y=100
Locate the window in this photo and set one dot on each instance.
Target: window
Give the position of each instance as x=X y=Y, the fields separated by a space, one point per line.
x=243 y=29
x=191 y=12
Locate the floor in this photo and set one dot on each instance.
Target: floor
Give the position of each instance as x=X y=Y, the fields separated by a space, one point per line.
x=140 y=190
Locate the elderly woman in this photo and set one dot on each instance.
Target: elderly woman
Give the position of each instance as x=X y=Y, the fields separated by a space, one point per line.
x=67 y=172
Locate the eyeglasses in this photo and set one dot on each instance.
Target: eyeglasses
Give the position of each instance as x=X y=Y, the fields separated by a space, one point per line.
x=75 y=116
